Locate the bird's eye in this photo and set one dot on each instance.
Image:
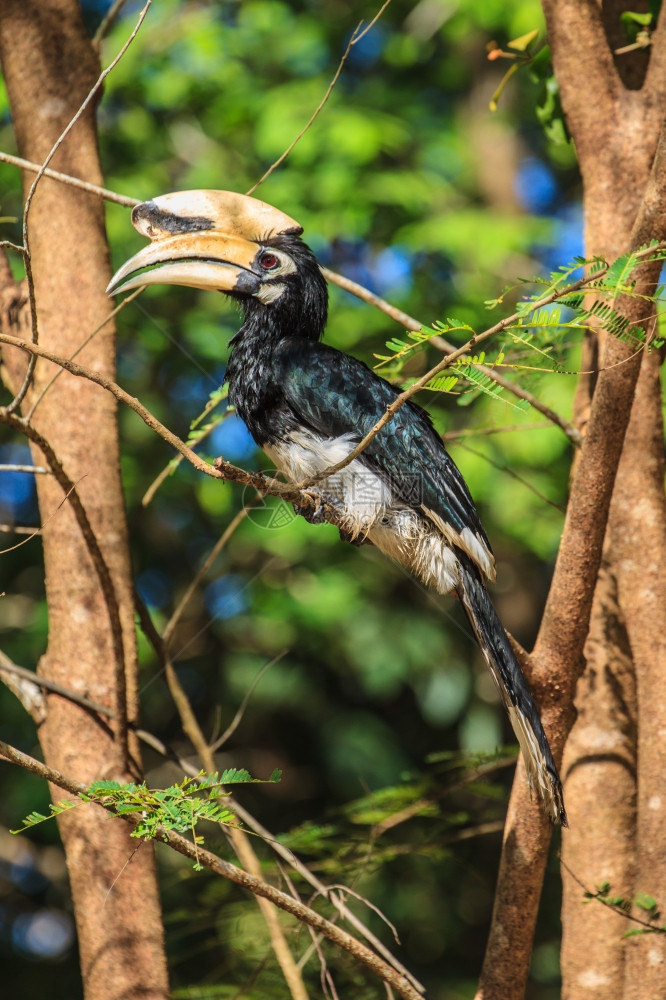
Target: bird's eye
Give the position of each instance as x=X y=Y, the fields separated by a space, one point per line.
x=269 y=261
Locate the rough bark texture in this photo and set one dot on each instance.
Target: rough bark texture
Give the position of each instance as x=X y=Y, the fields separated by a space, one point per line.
x=619 y=143
x=637 y=532
x=599 y=769
x=49 y=67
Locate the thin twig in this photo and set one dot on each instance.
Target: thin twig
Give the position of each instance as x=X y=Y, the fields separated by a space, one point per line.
x=371 y=906
x=465 y=432
x=409 y=323
x=599 y=897
x=101 y=568
x=84 y=343
x=21 y=683
x=236 y=721
x=220 y=544
x=325 y=977
x=107 y=21
x=514 y=475
x=443 y=791
x=242 y=878
x=8 y=245
x=194 y=439
x=38 y=531
x=56 y=175
x=35 y=469
x=48 y=685
x=355 y=38
x=27 y=258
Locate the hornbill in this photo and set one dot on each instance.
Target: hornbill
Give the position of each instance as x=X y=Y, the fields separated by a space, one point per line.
x=307 y=405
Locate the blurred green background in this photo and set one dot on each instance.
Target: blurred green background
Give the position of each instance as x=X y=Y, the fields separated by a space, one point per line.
x=409 y=184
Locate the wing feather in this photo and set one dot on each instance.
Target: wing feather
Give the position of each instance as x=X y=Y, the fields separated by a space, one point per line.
x=335 y=394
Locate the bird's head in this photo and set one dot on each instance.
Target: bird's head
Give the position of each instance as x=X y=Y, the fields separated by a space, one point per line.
x=234 y=244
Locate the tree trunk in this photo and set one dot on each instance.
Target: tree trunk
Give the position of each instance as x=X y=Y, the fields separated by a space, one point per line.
x=50 y=66
x=620 y=701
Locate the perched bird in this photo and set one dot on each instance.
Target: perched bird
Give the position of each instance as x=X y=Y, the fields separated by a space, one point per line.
x=307 y=405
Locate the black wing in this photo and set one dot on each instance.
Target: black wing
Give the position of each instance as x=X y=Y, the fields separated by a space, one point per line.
x=335 y=394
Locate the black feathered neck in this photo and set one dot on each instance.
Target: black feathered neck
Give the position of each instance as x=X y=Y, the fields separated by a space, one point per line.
x=301 y=310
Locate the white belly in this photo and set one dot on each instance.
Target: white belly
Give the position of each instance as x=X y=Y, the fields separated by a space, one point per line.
x=401 y=532
x=365 y=497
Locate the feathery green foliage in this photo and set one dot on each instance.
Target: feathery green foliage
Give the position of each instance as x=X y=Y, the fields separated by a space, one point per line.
x=179 y=807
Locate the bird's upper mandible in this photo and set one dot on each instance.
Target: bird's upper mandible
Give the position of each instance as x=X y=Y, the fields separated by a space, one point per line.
x=204 y=239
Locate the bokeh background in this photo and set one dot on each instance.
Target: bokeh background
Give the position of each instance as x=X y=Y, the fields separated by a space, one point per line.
x=409 y=184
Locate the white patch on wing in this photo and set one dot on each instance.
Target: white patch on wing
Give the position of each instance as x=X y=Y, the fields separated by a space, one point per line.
x=470 y=543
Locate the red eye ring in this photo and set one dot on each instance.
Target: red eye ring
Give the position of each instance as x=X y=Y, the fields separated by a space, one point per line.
x=269 y=261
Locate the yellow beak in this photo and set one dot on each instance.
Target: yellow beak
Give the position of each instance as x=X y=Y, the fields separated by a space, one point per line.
x=202 y=239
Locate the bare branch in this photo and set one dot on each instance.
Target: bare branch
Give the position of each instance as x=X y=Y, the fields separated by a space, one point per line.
x=356 y=37
x=464 y=432
x=220 y=544
x=56 y=175
x=514 y=475
x=98 y=328
x=34 y=469
x=22 y=683
x=409 y=323
x=18 y=399
x=107 y=21
x=235 y=722
x=101 y=568
x=37 y=531
x=36 y=680
x=244 y=879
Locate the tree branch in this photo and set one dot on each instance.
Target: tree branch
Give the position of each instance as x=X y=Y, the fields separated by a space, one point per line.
x=409 y=323
x=356 y=37
x=56 y=175
x=354 y=288
x=242 y=878
x=99 y=563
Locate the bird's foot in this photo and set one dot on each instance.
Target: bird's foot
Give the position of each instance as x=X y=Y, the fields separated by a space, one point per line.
x=313 y=514
x=352 y=538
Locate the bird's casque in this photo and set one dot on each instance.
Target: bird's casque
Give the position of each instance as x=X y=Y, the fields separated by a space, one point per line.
x=307 y=405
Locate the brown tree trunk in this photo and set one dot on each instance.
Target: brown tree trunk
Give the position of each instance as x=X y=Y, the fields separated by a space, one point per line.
x=638 y=543
x=49 y=66
x=620 y=144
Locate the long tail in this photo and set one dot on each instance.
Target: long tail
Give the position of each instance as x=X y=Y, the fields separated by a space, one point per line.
x=508 y=676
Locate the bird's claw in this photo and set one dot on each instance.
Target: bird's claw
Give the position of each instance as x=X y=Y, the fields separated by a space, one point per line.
x=313 y=515
x=351 y=538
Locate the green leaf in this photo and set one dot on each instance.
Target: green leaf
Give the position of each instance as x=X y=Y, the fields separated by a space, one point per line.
x=633 y=17
x=645 y=901
x=35 y=818
x=523 y=42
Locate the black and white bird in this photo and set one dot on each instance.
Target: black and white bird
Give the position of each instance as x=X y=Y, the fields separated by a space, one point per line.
x=307 y=405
